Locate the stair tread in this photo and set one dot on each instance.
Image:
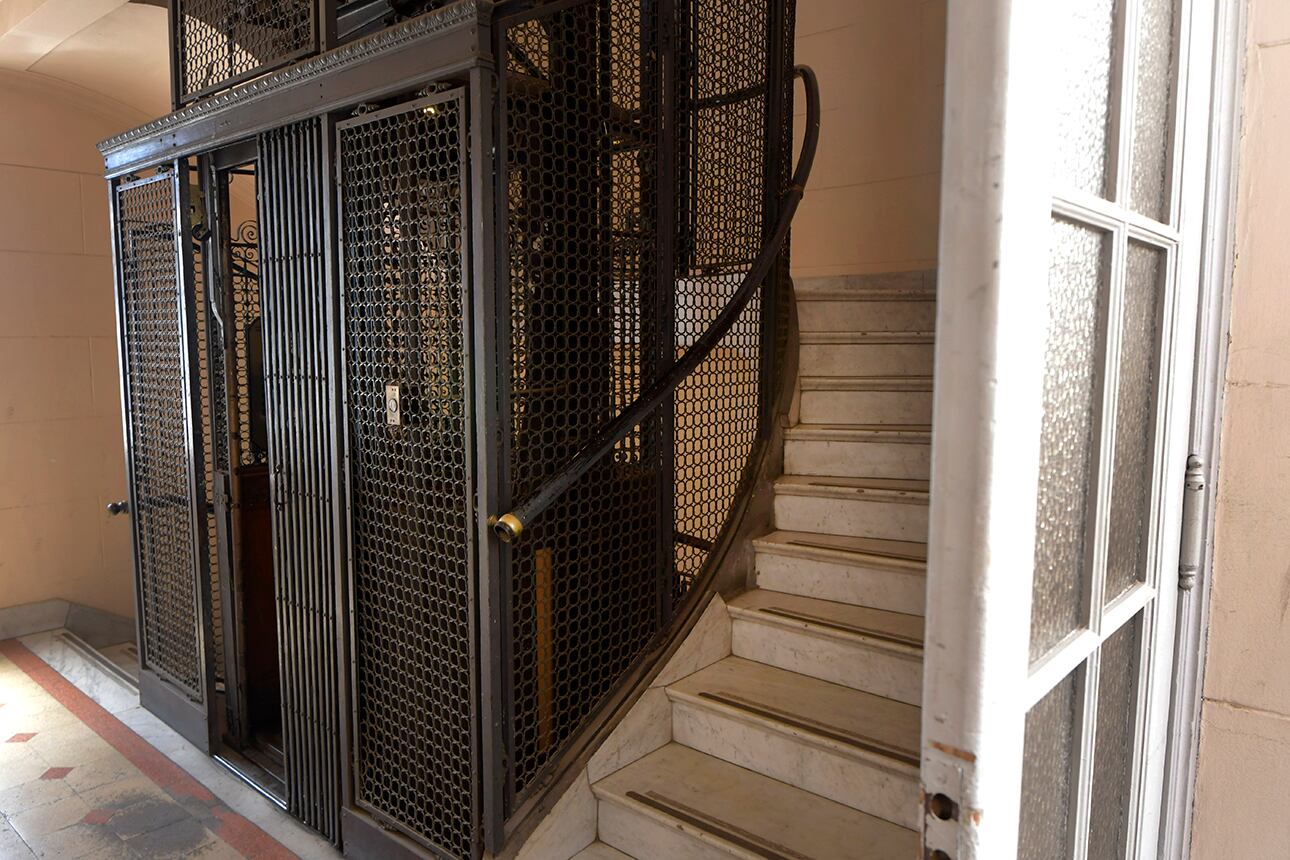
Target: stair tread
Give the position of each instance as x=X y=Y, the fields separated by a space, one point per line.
x=600 y=851
x=841 y=338
x=835 y=619
x=919 y=433
x=867 y=383
x=892 y=549
x=917 y=286
x=828 y=484
x=842 y=717
x=722 y=803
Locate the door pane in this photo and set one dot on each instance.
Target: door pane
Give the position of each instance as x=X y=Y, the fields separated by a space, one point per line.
x=1082 y=39
x=1048 y=776
x=1113 y=748
x=1151 y=126
x=1134 y=419
x=1077 y=279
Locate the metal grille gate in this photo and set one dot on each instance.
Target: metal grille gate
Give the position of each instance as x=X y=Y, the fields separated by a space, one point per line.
x=158 y=400
x=402 y=184
x=645 y=149
x=302 y=459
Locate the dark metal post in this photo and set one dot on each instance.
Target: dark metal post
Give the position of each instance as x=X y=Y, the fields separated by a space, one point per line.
x=664 y=51
x=774 y=177
x=487 y=293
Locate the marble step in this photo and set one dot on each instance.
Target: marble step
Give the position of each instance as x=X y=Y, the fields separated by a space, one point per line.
x=866 y=400
x=886 y=508
x=600 y=851
x=863 y=353
x=858 y=450
x=680 y=804
x=902 y=301
x=859 y=647
x=853 y=747
x=881 y=574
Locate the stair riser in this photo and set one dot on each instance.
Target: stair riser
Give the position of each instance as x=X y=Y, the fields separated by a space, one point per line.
x=857 y=459
x=879 y=359
x=640 y=835
x=866 y=407
x=866 y=316
x=840 y=661
x=858 y=783
x=858 y=517
x=892 y=590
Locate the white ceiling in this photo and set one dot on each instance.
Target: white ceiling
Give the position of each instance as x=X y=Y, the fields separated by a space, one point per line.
x=115 y=48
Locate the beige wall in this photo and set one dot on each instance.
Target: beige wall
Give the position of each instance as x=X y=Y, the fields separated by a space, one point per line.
x=873 y=201
x=1244 y=772
x=60 y=425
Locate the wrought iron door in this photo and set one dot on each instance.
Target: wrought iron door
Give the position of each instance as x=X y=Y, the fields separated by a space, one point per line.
x=402 y=176
x=299 y=381
x=156 y=320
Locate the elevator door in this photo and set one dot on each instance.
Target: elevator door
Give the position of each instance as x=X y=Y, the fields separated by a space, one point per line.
x=155 y=322
x=402 y=181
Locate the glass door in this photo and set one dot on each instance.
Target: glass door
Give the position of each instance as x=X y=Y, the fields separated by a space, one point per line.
x=1061 y=422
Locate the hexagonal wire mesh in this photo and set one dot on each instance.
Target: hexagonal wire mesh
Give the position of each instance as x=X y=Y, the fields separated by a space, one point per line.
x=156 y=393
x=222 y=42
x=614 y=270
x=402 y=184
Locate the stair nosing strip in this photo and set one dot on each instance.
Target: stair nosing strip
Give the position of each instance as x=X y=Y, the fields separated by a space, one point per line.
x=832 y=548
x=808 y=618
x=847 y=493
x=824 y=730
x=714 y=826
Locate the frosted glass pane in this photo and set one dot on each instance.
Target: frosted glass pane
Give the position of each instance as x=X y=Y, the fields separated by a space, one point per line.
x=1135 y=419
x=1081 y=43
x=1113 y=747
x=1077 y=279
x=1047 y=775
x=1151 y=128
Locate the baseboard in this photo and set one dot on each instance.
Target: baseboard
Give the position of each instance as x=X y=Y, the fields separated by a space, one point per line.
x=31 y=618
x=97 y=627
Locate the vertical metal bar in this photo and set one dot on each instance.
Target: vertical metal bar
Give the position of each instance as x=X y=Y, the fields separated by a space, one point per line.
x=192 y=437
x=665 y=58
x=333 y=419
x=327 y=36
x=489 y=440
x=773 y=178
x=174 y=17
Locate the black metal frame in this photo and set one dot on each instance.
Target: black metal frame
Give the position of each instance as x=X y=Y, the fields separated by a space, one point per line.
x=460 y=46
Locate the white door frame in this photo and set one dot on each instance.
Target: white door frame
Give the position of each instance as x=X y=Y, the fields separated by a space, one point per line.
x=1218 y=264
x=996 y=207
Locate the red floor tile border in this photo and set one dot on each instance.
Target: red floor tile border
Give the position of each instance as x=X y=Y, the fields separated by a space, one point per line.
x=242 y=835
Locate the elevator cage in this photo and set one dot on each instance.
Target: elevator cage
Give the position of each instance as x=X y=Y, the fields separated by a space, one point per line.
x=374 y=295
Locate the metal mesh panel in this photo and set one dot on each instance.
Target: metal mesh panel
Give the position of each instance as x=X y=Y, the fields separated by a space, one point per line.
x=724 y=109
x=222 y=42
x=156 y=390
x=632 y=215
x=582 y=145
x=298 y=382
x=402 y=178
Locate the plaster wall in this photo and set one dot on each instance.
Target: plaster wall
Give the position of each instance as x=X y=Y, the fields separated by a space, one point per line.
x=1244 y=768
x=873 y=204
x=60 y=423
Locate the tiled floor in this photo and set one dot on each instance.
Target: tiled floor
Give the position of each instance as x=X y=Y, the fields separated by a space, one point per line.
x=86 y=773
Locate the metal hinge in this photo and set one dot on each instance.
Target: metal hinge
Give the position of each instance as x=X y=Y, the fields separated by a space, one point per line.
x=1192 y=547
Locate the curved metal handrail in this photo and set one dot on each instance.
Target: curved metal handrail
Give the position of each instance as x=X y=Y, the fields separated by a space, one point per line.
x=510 y=526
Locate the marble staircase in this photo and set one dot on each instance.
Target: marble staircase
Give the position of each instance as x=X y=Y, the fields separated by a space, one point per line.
x=800 y=740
